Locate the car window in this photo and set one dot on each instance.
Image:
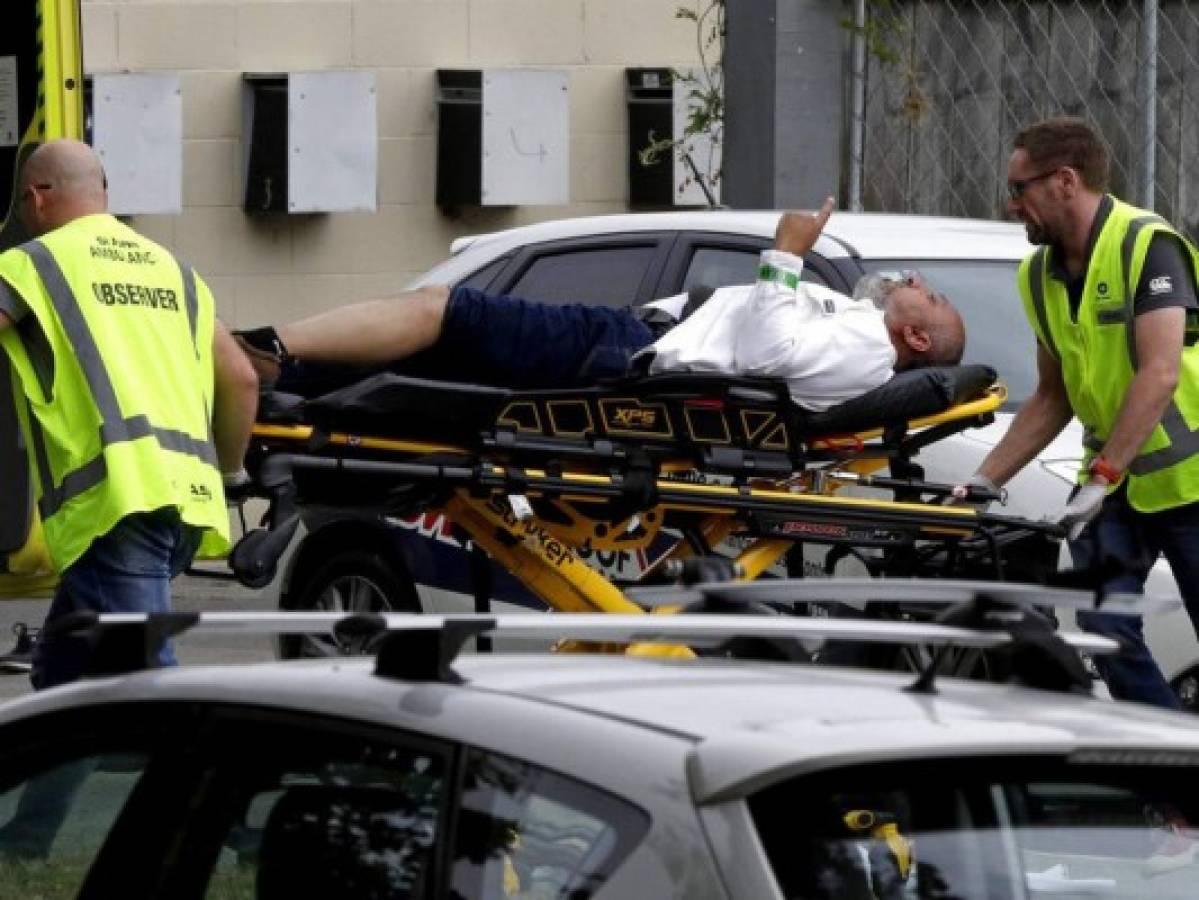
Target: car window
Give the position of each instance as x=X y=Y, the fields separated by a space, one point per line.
x=350 y=812
x=526 y=832
x=598 y=276
x=990 y=828
x=724 y=266
x=190 y=800
x=997 y=333
x=482 y=279
x=54 y=821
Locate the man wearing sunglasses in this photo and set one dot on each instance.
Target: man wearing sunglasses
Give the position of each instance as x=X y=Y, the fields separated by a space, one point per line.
x=828 y=347
x=1109 y=294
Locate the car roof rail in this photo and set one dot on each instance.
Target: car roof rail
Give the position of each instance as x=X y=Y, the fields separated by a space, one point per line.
x=423 y=647
x=1037 y=655
x=917 y=591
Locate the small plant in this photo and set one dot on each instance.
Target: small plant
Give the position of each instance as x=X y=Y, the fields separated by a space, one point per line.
x=888 y=39
x=884 y=30
x=705 y=103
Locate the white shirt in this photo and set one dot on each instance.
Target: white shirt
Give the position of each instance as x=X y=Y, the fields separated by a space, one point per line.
x=828 y=347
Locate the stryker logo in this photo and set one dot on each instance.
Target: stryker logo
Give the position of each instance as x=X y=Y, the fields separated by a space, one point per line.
x=1161 y=285
x=813 y=528
x=627 y=417
x=122 y=294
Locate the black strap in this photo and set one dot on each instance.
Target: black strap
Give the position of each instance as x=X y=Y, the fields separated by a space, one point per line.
x=696 y=297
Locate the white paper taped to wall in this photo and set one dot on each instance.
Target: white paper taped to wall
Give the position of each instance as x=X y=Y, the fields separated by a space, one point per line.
x=9 y=114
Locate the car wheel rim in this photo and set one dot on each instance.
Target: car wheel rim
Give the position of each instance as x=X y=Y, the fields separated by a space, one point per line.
x=347 y=594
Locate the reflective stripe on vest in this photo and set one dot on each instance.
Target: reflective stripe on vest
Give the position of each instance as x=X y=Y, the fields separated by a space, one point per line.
x=1184 y=442
x=190 y=301
x=37 y=348
x=11 y=299
x=1036 y=285
x=114 y=428
x=1126 y=249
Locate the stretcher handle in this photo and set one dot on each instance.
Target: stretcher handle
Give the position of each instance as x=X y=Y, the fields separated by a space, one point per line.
x=974 y=493
x=1049 y=529
x=254 y=559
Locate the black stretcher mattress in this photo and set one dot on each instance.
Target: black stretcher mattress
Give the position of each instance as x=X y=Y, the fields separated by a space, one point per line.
x=668 y=407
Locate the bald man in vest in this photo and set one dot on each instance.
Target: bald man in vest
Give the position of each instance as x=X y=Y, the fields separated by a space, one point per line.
x=134 y=401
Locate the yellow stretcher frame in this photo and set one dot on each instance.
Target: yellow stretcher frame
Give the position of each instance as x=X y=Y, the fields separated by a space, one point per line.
x=541 y=554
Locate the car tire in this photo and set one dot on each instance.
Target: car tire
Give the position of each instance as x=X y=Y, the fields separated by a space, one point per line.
x=351 y=581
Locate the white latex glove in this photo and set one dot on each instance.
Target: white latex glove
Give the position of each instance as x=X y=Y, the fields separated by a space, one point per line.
x=961 y=492
x=1082 y=509
x=237 y=485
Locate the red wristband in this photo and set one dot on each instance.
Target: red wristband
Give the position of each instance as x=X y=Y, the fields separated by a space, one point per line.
x=1100 y=466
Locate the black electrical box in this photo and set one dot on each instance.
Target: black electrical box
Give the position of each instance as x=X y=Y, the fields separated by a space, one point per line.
x=459 y=138
x=265 y=125
x=650 y=96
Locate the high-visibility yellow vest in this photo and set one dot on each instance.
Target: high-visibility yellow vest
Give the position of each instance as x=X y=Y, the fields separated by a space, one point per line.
x=115 y=382
x=1098 y=356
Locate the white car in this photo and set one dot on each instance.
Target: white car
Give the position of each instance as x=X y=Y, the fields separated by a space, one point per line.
x=619 y=260
x=427 y=776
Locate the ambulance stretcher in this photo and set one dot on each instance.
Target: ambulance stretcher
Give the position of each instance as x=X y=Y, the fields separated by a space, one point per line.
x=700 y=460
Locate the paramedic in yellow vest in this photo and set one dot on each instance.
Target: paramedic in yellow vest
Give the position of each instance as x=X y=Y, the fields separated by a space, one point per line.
x=1109 y=293
x=133 y=400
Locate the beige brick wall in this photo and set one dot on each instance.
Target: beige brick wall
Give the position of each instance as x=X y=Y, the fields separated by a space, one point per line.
x=279 y=268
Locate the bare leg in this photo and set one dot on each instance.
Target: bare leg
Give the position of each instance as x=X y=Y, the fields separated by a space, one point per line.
x=371 y=333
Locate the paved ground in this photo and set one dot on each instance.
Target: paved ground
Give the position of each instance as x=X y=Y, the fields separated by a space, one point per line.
x=191 y=593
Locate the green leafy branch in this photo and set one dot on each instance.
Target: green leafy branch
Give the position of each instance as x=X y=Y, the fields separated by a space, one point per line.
x=888 y=39
x=884 y=30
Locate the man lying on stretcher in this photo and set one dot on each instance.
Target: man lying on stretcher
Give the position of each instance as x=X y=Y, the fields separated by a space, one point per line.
x=829 y=347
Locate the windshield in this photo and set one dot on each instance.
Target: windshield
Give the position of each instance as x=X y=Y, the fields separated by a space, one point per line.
x=996 y=331
x=995 y=829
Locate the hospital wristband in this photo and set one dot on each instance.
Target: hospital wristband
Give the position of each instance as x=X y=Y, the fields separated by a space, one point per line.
x=782 y=276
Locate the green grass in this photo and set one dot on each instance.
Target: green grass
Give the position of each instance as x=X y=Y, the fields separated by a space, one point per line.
x=42 y=879
x=60 y=879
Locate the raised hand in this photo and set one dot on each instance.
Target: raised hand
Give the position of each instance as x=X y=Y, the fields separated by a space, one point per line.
x=797 y=231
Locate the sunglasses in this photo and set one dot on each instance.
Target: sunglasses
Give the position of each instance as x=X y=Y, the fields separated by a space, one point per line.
x=877 y=285
x=1016 y=189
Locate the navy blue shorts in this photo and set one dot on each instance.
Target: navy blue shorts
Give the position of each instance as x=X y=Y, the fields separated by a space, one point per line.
x=504 y=341
x=508 y=341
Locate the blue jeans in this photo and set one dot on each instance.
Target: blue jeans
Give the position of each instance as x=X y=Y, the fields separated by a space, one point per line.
x=1135 y=540
x=129 y=569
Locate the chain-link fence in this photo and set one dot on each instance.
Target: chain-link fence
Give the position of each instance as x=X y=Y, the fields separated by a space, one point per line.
x=942 y=86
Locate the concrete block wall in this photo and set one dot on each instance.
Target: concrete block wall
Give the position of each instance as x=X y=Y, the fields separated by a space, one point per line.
x=279 y=268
